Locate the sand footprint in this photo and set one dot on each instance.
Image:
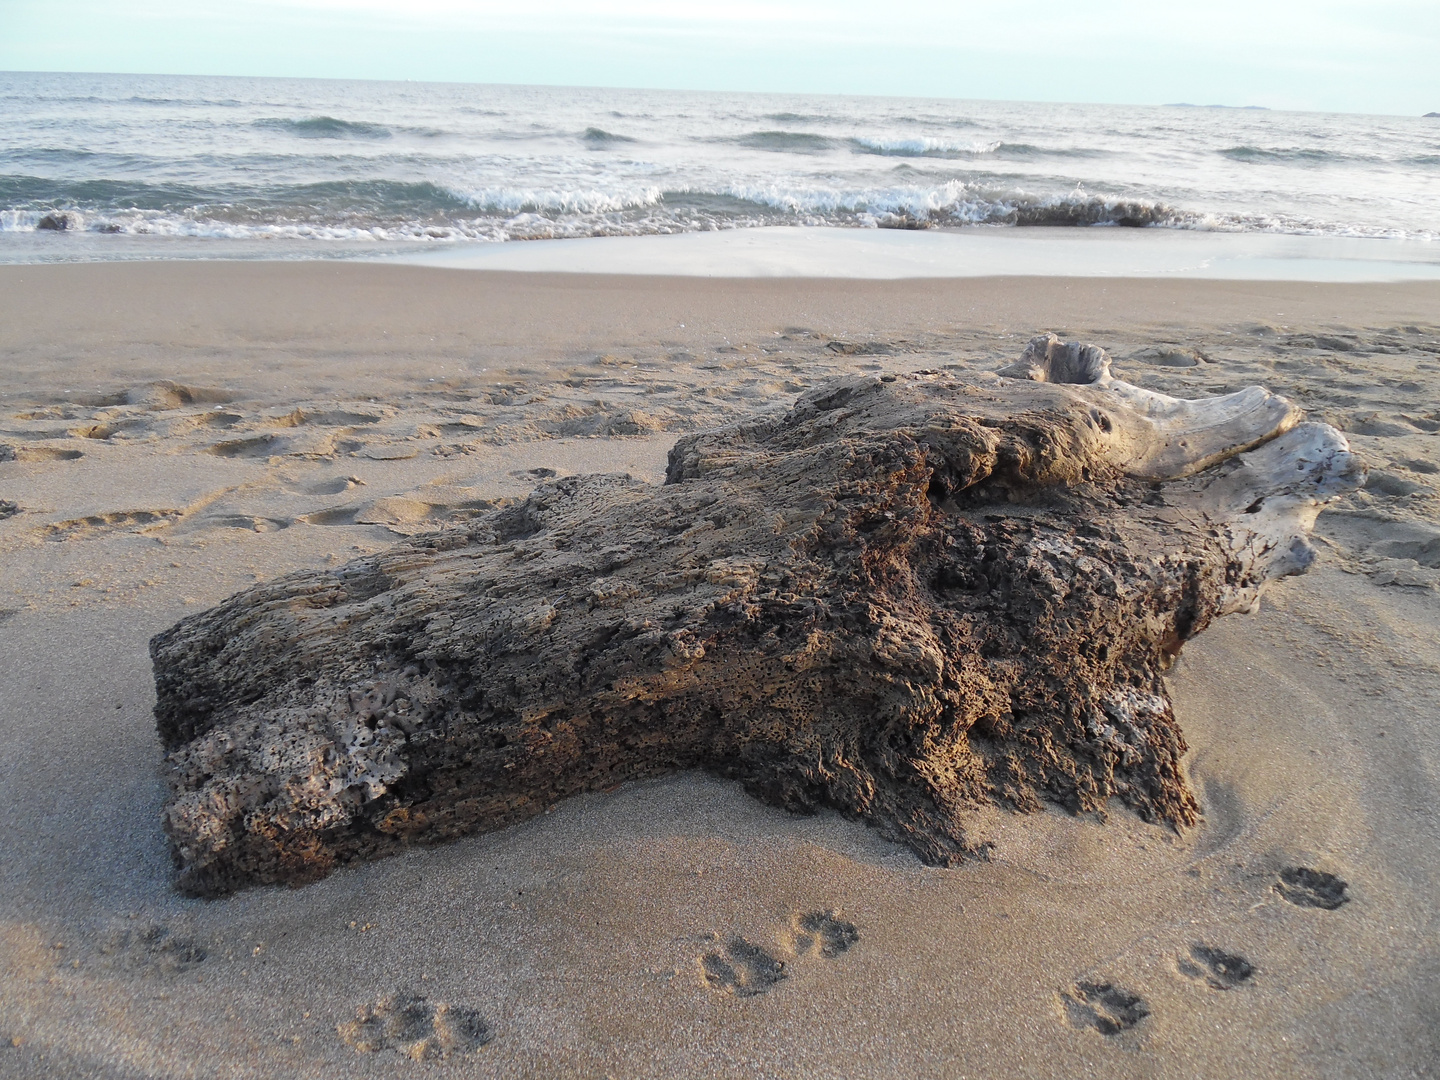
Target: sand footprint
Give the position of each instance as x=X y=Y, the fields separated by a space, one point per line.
x=416 y=1027
x=1111 y=1009
x=166 y=394
x=1104 y=1006
x=145 y=948
x=1305 y=887
x=741 y=968
x=822 y=933
x=1219 y=970
x=249 y=447
x=37 y=453
x=335 y=485
x=744 y=969
x=95 y=525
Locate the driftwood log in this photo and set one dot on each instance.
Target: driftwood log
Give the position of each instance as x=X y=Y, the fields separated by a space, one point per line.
x=907 y=596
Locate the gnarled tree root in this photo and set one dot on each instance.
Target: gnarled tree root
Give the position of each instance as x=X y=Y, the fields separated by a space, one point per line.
x=905 y=597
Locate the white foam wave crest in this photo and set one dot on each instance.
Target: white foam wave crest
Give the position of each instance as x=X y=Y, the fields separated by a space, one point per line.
x=503 y=214
x=511 y=200
x=954 y=202
x=921 y=146
x=18 y=220
x=824 y=201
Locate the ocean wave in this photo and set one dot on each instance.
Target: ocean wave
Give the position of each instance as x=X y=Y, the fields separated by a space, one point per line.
x=924 y=147
x=430 y=211
x=1302 y=155
x=325 y=127
x=40 y=194
x=956 y=203
x=224 y=103
x=936 y=120
x=510 y=200
x=1022 y=151
x=594 y=136
x=433 y=211
x=378 y=198
x=62 y=155
x=798 y=118
x=929 y=147
x=792 y=142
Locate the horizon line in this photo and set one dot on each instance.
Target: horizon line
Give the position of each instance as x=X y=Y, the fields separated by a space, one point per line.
x=684 y=90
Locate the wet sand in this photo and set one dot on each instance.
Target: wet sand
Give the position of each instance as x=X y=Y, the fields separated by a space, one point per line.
x=170 y=433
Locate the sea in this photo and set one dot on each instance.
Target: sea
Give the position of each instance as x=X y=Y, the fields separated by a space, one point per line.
x=130 y=166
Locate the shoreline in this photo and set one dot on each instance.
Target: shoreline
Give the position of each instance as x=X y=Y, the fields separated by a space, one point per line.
x=818 y=252
x=976 y=252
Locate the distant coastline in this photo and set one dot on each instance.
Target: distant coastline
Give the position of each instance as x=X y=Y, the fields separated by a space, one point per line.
x=1192 y=105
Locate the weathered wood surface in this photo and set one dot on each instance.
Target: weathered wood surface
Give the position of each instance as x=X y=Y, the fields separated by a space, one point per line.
x=905 y=597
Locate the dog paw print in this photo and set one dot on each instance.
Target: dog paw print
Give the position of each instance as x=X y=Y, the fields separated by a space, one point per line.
x=744 y=969
x=1104 y=1006
x=822 y=933
x=1220 y=970
x=1305 y=887
x=420 y=1029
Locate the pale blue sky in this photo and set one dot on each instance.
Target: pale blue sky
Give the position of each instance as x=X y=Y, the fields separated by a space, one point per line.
x=1348 y=55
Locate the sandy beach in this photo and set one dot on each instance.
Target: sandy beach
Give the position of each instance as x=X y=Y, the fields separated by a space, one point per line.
x=173 y=432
